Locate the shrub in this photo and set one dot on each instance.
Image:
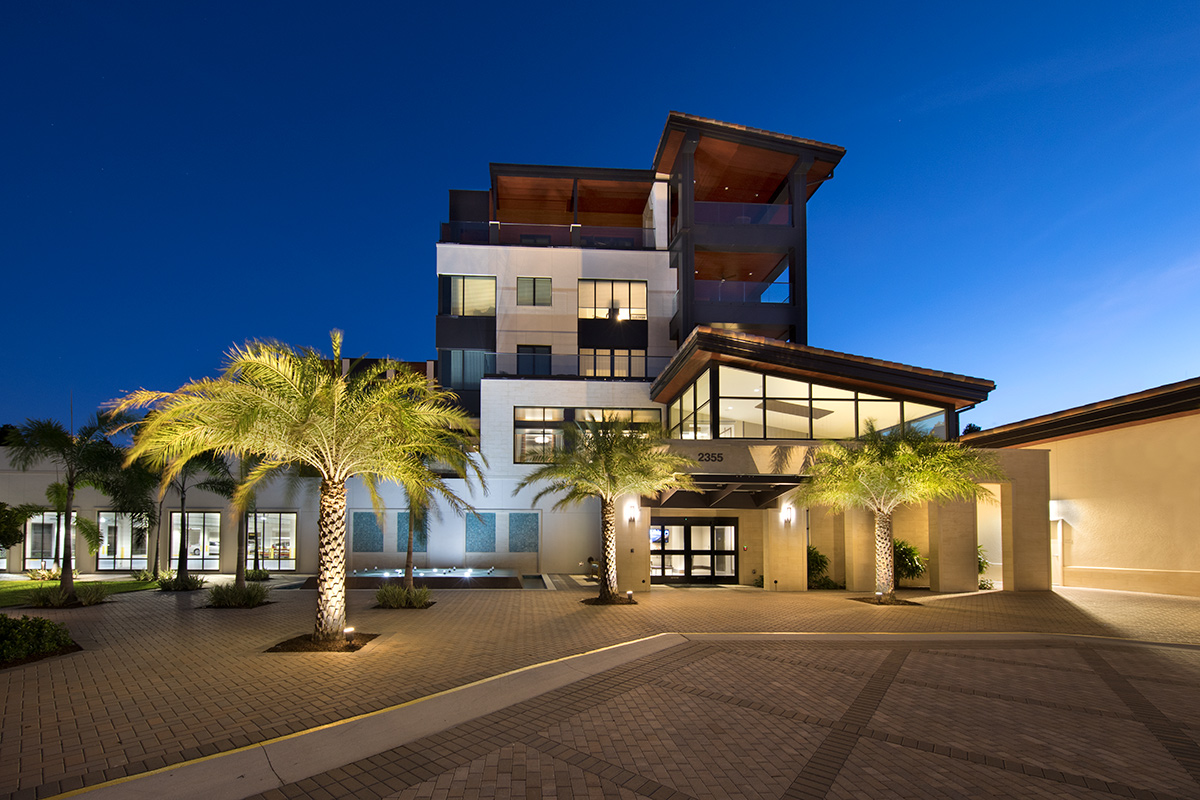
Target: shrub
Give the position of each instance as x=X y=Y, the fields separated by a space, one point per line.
x=825 y=582
x=230 y=595
x=148 y=574
x=91 y=593
x=907 y=560
x=983 y=560
x=257 y=575
x=986 y=583
x=48 y=573
x=30 y=636
x=396 y=595
x=759 y=581
x=817 y=564
x=174 y=584
x=46 y=597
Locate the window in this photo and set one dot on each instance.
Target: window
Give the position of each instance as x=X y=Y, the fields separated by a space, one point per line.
x=599 y=299
x=533 y=359
x=605 y=363
x=122 y=543
x=467 y=295
x=203 y=540
x=533 y=292
x=271 y=541
x=45 y=539
x=538 y=432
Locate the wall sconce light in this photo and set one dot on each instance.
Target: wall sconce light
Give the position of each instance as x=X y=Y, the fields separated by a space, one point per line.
x=631 y=513
x=787 y=514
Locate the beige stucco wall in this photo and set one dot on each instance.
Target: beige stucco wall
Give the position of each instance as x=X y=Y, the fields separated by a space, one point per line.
x=1127 y=499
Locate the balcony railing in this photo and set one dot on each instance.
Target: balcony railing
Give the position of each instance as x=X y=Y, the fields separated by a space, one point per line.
x=605 y=364
x=743 y=214
x=529 y=235
x=742 y=292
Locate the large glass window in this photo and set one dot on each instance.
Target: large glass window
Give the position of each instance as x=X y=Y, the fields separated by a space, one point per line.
x=467 y=295
x=533 y=292
x=203 y=540
x=123 y=543
x=599 y=299
x=45 y=539
x=757 y=406
x=604 y=363
x=271 y=536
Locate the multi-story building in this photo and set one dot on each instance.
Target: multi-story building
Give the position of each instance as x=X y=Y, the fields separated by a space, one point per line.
x=674 y=294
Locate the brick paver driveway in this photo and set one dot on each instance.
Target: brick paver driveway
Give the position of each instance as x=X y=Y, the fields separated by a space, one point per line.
x=162 y=681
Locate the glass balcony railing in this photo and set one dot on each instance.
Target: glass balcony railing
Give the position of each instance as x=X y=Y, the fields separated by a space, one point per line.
x=742 y=292
x=743 y=214
x=529 y=235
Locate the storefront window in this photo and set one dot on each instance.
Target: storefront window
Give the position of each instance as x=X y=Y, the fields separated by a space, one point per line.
x=203 y=540
x=271 y=536
x=123 y=545
x=45 y=539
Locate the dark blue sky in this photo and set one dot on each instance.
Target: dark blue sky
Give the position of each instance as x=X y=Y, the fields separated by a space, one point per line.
x=1020 y=199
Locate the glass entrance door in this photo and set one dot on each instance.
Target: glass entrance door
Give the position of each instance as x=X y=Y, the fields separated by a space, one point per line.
x=693 y=550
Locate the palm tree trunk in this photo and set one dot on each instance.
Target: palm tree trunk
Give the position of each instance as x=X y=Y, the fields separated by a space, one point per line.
x=331 y=570
x=158 y=536
x=181 y=575
x=408 y=556
x=67 y=582
x=239 y=572
x=608 y=531
x=58 y=538
x=257 y=544
x=885 y=586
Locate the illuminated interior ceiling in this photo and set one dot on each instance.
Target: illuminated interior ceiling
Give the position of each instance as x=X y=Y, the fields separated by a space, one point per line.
x=541 y=199
x=759 y=267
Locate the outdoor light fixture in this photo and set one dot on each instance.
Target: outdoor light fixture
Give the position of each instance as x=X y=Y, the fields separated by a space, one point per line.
x=788 y=514
x=629 y=595
x=631 y=511
x=349 y=634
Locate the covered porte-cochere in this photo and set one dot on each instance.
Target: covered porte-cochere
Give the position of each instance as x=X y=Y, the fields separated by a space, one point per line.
x=734 y=398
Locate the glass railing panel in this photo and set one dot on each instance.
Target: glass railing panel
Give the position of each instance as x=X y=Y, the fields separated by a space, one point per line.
x=601 y=238
x=514 y=233
x=610 y=365
x=743 y=214
x=742 y=292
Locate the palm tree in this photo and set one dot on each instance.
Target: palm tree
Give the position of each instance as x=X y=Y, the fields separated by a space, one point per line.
x=85 y=458
x=882 y=471
x=294 y=409
x=608 y=459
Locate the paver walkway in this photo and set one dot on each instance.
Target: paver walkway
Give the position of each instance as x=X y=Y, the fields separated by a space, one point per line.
x=161 y=681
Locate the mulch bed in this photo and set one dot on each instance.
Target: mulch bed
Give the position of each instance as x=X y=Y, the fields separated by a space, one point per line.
x=408 y=608
x=62 y=651
x=305 y=644
x=616 y=601
x=896 y=602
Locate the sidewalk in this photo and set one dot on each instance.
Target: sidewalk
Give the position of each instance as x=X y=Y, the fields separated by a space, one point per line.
x=161 y=682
